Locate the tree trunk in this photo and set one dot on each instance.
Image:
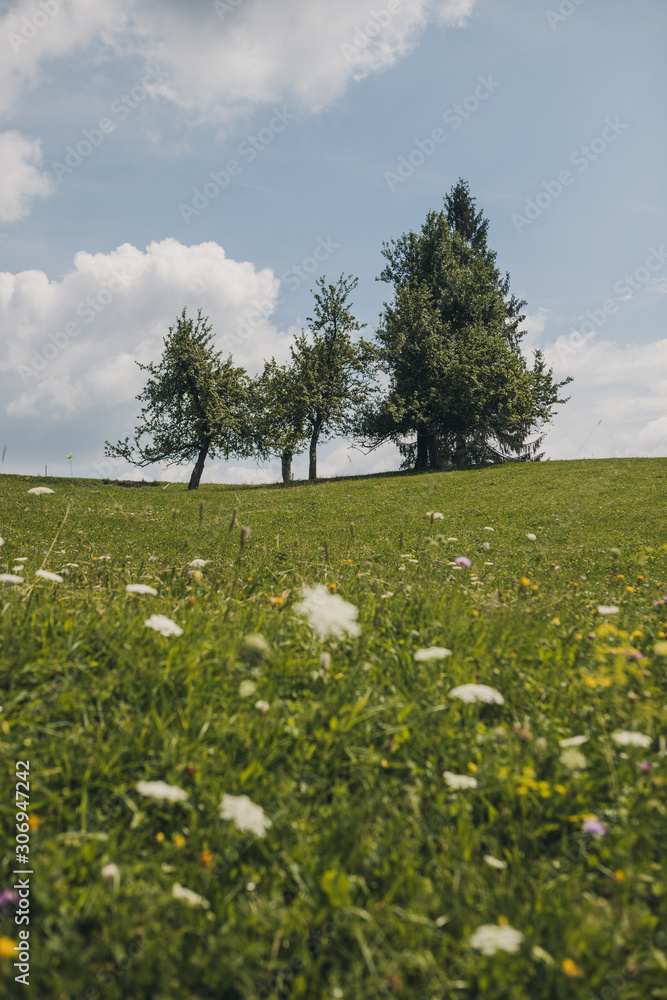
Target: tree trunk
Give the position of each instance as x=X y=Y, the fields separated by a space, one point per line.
x=422 y=449
x=460 y=451
x=433 y=456
x=199 y=465
x=312 y=451
x=286 y=460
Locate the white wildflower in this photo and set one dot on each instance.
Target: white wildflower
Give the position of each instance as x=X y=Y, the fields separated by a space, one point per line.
x=188 y=896
x=458 y=781
x=163 y=625
x=20 y=559
x=44 y=574
x=10 y=578
x=436 y=515
x=452 y=539
x=244 y=813
x=2 y=542
x=573 y=759
x=161 y=790
x=72 y=565
x=432 y=653
x=530 y=535
x=328 y=614
x=607 y=610
x=262 y=706
x=622 y=738
x=111 y=873
x=198 y=563
x=471 y=693
x=495 y=862
x=487 y=528
x=140 y=588
x=37 y=491
x=573 y=741
x=247 y=689
x=486 y=545
x=490 y=938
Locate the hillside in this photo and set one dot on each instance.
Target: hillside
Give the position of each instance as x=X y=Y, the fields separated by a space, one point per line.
x=398 y=839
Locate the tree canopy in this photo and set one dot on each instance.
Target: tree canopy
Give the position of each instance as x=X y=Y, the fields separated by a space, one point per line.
x=195 y=404
x=449 y=343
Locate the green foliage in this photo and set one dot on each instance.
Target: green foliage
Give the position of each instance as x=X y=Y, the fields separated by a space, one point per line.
x=449 y=344
x=372 y=876
x=195 y=404
x=331 y=372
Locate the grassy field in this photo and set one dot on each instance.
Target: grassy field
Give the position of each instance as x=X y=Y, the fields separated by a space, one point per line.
x=369 y=868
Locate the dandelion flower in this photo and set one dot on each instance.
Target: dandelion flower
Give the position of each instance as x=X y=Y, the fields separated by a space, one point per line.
x=244 y=813
x=188 y=896
x=495 y=862
x=573 y=741
x=44 y=574
x=432 y=653
x=198 y=563
x=463 y=561
x=529 y=534
x=262 y=706
x=328 y=614
x=10 y=578
x=161 y=790
x=247 y=689
x=140 y=588
x=458 y=781
x=471 y=693
x=607 y=609
x=623 y=738
x=37 y=491
x=571 y=969
x=163 y=625
x=8 y=947
x=490 y=938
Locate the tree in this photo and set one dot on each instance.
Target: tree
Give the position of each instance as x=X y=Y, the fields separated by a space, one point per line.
x=278 y=415
x=450 y=346
x=330 y=373
x=195 y=404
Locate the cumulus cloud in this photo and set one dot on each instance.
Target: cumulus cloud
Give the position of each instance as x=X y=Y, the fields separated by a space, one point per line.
x=618 y=395
x=22 y=180
x=70 y=345
x=225 y=57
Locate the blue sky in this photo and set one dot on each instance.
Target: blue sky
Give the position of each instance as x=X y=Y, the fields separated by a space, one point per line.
x=553 y=114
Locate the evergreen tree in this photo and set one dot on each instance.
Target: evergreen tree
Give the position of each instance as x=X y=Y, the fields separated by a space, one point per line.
x=450 y=346
x=195 y=404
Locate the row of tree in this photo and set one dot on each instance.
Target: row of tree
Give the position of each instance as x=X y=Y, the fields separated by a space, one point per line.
x=445 y=379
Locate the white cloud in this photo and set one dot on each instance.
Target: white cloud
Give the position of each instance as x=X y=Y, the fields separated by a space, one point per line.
x=618 y=397
x=70 y=345
x=225 y=57
x=20 y=160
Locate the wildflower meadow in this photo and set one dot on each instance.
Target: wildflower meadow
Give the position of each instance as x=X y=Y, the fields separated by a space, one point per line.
x=399 y=736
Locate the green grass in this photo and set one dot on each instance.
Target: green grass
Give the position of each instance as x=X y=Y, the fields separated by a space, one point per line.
x=371 y=878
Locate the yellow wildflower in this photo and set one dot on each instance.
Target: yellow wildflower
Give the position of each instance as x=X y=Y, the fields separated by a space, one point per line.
x=7 y=947
x=571 y=969
x=179 y=840
x=525 y=582
x=619 y=875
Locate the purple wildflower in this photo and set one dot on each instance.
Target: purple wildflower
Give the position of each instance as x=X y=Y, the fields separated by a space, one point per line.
x=463 y=561
x=8 y=896
x=595 y=827
x=658 y=604
x=645 y=767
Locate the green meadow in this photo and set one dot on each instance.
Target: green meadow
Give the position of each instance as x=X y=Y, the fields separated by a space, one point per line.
x=396 y=819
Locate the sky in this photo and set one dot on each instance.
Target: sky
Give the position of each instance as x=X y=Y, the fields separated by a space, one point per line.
x=157 y=155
